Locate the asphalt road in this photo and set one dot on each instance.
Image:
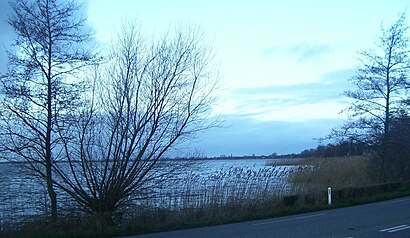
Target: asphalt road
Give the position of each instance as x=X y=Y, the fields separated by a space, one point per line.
x=383 y=219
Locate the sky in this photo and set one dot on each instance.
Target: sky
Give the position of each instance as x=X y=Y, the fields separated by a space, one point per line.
x=284 y=64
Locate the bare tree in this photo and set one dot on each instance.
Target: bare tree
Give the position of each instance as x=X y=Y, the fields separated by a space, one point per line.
x=150 y=98
x=40 y=89
x=382 y=83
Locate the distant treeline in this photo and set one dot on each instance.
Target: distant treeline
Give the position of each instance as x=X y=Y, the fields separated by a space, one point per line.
x=336 y=150
x=340 y=149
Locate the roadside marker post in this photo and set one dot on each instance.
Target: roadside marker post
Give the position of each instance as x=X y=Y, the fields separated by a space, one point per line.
x=329 y=196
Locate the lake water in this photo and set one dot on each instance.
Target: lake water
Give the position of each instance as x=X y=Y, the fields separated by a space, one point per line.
x=23 y=195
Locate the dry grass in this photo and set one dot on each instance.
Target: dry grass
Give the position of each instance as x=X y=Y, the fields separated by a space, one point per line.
x=341 y=172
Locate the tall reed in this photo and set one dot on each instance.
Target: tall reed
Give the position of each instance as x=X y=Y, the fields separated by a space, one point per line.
x=232 y=185
x=316 y=174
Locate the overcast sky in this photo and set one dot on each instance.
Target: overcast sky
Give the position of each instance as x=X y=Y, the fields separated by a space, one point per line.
x=284 y=64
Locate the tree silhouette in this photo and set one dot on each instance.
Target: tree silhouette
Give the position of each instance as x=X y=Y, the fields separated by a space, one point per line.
x=40 y=90
x=382 y=82
x=147 y=99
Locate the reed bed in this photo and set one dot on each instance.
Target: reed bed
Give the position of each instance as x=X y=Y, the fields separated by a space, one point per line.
x=233 y=185
x=316 y=174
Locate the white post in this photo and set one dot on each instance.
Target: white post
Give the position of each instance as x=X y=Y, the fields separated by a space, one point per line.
x=329 y=196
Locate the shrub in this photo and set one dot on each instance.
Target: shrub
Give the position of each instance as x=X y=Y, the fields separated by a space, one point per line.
x=290 y=200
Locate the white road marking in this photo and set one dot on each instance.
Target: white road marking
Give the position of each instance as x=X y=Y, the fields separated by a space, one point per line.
x=289 y=219
x=399 y=229
x=392 y=228
x=392 y=202
x=396 y=228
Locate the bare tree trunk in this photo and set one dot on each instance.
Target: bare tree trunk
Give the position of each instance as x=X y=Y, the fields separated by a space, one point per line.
x=48 y=157
x=50 y=187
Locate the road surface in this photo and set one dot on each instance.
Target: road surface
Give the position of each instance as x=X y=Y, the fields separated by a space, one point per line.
x=383 y=219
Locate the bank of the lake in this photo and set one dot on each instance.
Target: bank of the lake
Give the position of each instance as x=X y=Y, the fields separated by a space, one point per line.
x=214 y=192
x=200 y=183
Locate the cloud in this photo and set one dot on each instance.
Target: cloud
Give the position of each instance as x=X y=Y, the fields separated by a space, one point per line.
x=330 y=86
x=297 y=102
x=308 y=51
x=278 y=119
x=301 y=51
